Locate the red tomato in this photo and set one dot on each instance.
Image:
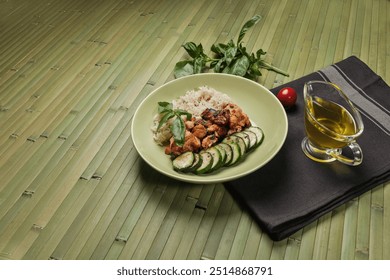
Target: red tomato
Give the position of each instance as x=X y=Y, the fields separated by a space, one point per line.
x=287 y=96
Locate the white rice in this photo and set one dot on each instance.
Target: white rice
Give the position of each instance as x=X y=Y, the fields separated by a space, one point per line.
x=162 y=135
x=195 y=102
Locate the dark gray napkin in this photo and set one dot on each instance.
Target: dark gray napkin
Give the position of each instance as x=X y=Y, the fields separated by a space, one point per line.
x=291 y=191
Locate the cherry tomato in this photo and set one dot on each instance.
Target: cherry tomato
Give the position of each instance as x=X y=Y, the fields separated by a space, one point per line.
x=287 y=96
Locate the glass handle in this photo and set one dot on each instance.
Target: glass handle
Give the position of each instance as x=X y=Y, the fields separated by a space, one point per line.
x=357 y=155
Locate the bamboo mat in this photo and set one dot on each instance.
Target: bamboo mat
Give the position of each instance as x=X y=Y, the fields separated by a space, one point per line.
x=71 y=75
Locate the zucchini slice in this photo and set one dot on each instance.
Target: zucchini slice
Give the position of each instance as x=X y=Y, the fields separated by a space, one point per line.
x=244 y=137
x=252 y=139
x=217 y=158
x=226 y=151
x=236 y=153
x=197 y=162
x=238 y=140
x=207 y=162
x=184 y=161
x=259 y=134
x=222 y=151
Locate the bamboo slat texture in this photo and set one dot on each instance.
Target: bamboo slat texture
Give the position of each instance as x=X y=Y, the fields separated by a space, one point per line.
x=72 y=73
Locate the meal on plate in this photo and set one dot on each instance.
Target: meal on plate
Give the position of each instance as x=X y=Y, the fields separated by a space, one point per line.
x=204 y=130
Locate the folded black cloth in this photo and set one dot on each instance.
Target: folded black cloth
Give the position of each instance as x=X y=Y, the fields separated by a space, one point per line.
x=291 y=191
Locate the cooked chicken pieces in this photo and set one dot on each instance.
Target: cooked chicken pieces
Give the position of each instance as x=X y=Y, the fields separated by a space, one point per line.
x=213 y=126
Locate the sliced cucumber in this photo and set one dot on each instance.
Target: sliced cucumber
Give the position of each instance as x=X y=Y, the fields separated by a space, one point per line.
x=207 y=162
x=238 y=140
x=252 y=139
x=244 y=137
x=222 y=151
x=236 y=153
x=228 y=152
x=184 y=161
x=217 y=158
x=259 y=134
x=197 y=162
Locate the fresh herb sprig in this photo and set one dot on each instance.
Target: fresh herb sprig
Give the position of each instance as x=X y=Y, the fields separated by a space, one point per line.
x=231 y=58
x=177 y=127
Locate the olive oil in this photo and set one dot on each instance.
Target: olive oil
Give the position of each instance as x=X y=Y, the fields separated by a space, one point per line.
x=333 y=125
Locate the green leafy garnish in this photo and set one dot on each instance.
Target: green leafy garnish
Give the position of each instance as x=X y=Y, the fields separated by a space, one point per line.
x=230 y=58
x=177 y=127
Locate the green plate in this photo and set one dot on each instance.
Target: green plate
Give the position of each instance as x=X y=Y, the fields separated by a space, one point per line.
x=262 y=107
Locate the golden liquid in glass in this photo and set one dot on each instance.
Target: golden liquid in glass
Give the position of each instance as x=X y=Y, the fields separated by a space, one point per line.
x=334 y=117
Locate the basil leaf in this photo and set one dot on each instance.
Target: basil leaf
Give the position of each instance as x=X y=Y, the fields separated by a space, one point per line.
x=219 y=48
x=220 y=65
x=164 y=103
x=230 y=52
x=200 y=51
x=246 y=26
x=213 y=63
x=240 y=66
x=191 y=49
x=254 y=70
x=180 y=112
x=178 y=131
x=164 y=106
x=198 y=65
x=183 y=68
x=165 y=118
x=177 y=127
